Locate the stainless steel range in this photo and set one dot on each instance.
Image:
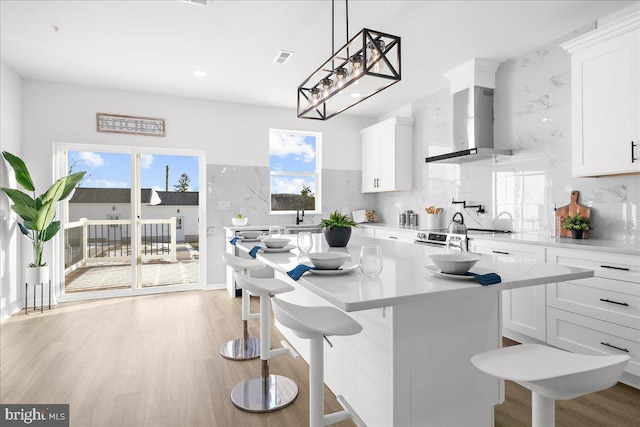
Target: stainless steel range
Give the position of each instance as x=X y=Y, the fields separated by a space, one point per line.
x=440 y=238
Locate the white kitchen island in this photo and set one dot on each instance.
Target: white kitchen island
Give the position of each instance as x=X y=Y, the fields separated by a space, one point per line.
x=410 y=366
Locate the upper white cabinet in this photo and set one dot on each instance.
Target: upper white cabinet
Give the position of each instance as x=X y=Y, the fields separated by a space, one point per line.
x=605 y=75
x=387 y=156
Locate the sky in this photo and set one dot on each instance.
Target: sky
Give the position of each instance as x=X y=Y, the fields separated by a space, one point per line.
x=292 y=152
x=113 y=170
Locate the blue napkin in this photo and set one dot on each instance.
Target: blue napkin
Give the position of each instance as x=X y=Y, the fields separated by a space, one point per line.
x=297 y=272
x=486 y=279
x=254 y=251
x=234 y=240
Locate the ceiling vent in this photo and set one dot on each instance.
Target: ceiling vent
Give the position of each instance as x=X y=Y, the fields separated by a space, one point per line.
x=282 y=57
x=200 y=2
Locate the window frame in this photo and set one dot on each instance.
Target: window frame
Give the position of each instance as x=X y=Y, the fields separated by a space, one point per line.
x=317 y=175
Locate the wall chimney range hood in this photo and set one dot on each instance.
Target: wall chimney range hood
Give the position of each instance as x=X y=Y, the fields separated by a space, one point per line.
x=472 y=86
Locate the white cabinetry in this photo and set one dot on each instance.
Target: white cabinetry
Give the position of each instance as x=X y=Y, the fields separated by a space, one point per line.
x=523 y=310
x=600 y=315
x=387 y=156
x=605 y=85
x=407 y=236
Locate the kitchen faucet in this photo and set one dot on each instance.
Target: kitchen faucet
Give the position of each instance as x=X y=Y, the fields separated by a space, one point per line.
x=300 y=207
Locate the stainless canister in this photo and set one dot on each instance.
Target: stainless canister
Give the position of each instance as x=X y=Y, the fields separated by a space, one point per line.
x=402 y=219
x=413 y=219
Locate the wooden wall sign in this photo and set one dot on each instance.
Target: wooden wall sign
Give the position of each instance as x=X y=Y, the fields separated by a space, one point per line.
x=128 y=124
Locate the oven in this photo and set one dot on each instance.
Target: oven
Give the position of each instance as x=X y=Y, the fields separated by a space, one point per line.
x=442 y=239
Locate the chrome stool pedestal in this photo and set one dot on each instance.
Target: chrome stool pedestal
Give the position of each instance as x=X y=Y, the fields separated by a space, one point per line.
x=269 y=392
x=245 y=348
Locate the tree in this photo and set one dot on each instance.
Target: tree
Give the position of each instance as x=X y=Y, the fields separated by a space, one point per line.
x=183 y=183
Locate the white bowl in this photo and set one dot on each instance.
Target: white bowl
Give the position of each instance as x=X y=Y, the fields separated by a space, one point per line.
x=455 y=263
x=276 y=243
x=250 y=234
x=239 y=222
x=328 y=260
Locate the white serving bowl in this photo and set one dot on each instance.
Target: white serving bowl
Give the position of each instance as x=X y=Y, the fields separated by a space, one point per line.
x=455 y=263
x=239 y=222
x=275 y=243
x=328 y=260
x=250 y=234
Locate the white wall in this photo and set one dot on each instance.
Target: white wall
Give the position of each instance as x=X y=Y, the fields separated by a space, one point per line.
x=231 y=134
x=11 y=266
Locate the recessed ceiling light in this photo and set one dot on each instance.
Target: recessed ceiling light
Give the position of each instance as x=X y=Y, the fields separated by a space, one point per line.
x=356 y=95
x=199 y=73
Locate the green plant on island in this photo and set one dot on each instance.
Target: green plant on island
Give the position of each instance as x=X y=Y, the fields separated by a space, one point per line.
x=336 y=219
x=239 y=216
x=37 y=211
x=575 y=222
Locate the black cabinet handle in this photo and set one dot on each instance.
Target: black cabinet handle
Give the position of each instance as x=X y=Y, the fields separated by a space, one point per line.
x=633 y=155
x=613 y=346
x=393 y=237
x=615 y=268
x=614 y=302
x=501 y=253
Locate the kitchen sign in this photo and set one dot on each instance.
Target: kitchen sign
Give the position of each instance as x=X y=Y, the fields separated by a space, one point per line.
x=129 y=124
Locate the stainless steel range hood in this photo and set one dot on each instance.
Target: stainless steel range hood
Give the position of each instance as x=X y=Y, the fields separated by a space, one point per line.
x=472 y=123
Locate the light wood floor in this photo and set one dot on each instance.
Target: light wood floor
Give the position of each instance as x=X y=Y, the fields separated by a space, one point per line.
x=153 y=361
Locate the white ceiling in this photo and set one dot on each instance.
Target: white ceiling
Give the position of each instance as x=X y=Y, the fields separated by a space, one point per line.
x=154 y=46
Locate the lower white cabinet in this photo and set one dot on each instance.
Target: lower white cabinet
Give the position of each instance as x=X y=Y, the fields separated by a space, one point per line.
x=523 y=310
x=600 y=315
x=407 y=236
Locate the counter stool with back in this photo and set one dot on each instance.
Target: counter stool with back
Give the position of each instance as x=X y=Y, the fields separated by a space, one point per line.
x=315 y=324
x=247 y=347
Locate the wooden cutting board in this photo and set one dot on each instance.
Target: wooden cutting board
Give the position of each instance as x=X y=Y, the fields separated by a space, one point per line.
x=571 y=209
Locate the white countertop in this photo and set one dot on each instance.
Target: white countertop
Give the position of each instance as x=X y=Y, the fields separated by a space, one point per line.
x=539 y=239
x=405 y=278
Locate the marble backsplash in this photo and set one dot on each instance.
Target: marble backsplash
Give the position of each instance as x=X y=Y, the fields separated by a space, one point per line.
x=532 y=109
x=248 y=187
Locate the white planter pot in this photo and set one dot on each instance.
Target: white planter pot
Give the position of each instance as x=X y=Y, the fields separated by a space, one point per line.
x=36 y=275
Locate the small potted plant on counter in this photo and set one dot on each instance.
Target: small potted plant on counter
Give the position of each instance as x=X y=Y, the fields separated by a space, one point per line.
x=337 y=229
x=577 y=224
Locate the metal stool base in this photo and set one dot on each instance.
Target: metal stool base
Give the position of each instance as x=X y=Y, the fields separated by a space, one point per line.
x=239 y=349
x=260 y=395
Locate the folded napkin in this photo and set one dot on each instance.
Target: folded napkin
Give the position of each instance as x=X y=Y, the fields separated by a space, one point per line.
x=297 y=272
x=485 y=279
x=234 y=240
x=254 y=251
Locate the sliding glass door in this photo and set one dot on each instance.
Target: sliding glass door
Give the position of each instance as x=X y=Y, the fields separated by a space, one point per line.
x=132 y=225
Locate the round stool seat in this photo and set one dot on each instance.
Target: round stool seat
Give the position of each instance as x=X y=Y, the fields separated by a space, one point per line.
x=309 y=321
x=263 y=287
x=550 y=372
x=238 y=263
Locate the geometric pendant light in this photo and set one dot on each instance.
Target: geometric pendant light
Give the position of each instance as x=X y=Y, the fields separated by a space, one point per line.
x=365 y=65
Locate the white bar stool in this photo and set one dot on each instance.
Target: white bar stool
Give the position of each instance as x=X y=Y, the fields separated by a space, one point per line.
x=267 y=393
x=247 y=347
x=315 y=323
x=551 y=374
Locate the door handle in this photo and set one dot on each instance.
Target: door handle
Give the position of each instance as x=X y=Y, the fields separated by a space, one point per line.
x=613 y=346
x=614 y=302
x=614 y=268
x=633 y=155
x=501 y=253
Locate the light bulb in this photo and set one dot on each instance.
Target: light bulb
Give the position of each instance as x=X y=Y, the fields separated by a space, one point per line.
x=315 y=94
x=375 y=54
x=341 y=73
x=356 y=60
x=326 y=85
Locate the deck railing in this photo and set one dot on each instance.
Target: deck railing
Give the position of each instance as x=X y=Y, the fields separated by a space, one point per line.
x=95 y=241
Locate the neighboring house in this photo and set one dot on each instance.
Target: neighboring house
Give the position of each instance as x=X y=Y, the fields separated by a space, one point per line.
x=115 y=204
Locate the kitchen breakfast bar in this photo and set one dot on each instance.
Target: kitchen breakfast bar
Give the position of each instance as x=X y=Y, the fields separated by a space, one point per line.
x=410 y=366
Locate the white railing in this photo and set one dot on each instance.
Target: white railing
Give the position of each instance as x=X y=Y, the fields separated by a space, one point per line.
x=96 y=241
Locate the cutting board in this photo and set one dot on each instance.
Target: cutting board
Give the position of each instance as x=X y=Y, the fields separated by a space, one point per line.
x=571 y=209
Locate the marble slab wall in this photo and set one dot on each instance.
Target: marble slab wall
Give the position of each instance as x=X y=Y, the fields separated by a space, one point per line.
x=532 y=109
x=248 y=187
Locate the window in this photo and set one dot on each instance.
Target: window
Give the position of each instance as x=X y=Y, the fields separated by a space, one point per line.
x=294 y=162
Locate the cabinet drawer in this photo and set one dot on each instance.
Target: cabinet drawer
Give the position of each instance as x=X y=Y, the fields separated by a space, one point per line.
x=581 y=334
x=399 y=235
x=508 y=250
x=611 y=266
x=605 y=299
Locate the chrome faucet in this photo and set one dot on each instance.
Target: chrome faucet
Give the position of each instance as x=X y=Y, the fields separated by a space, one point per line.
x=300 y=207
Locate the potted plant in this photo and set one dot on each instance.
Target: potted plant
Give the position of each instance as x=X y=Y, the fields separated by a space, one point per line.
x=337 y=229
x=577 y=224
x=37 y=212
